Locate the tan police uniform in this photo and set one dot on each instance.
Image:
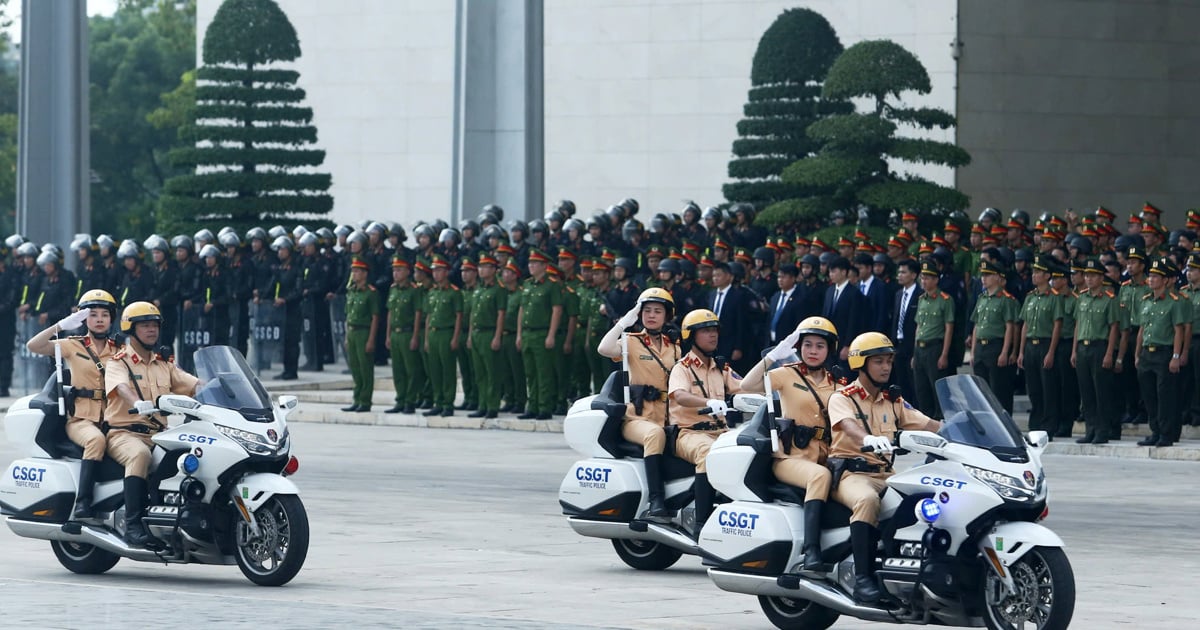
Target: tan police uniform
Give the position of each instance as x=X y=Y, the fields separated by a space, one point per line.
x=696 y=375
x=148 y=380
x=86 y=360
x=804 y=397
x=649 y=367
x=860 y=491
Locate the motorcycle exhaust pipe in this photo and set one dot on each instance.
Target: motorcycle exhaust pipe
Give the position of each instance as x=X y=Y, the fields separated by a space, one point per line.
x=636 y=530
x=89 y=535
x=816 y=592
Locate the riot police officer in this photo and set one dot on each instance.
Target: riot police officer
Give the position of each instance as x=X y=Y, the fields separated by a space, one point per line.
x=287 y=294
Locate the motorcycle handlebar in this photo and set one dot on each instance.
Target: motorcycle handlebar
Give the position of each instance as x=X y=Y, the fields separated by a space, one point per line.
x=704 y=411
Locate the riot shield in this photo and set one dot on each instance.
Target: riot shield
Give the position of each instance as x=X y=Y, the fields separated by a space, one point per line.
x=266 y=338
x=193 y=335
x=29 y=370
x=337 y=309
x=308 y=333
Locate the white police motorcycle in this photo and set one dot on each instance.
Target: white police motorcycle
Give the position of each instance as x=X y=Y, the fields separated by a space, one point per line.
x=961 y=543
x=220 y=492
x=604 y=495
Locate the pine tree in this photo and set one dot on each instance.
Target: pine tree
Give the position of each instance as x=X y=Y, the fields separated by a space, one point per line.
x=251 y=143
x=792 y=58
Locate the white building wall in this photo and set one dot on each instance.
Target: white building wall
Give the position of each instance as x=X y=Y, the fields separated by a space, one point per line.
x=643 y=96
x=380 y=79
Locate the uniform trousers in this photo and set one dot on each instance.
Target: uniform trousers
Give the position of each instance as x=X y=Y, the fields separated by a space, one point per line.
x=861 y=492
x=540 y=364
x=802 y=473
x=513 y=369
x=1097 y=390
x=1160 y=392
x=131 y=450
x=441 y=366
x=926 y=373
x=403 y=365
x=1041 y=384
x=485 y=363
x=649 y=434
x=693 y=446
x=985 y=362
x=88 y=435
x=362 y=364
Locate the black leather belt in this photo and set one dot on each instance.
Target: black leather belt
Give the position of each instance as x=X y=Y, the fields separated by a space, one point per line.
x=707 y=426
x=1154 y=348
x=357 y=326
x=402 y=329
x=132 y=428
x=1037 y=340
x=87 y=394
x=1092 y=342
x=922 y=344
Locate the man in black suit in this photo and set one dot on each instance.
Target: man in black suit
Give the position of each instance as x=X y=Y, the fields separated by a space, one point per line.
x=810 y=287
x=845 y=306
x=902 y=326
x=731 y=303
x=785 y=305
x=878 y=310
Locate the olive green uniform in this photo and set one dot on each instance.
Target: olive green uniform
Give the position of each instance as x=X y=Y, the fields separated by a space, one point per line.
x=1129 y=392
x=934 y=311
x=1040 y=311
x=511 y=362
x=403 y=302
x=993 y=313
x=1068 y=381
x=466 y=365
x=579 y=367
x=361 y=305
x=485 y=305
x=564 y=375
x=1160 y=386
x=1191 y=404
x=443 y=310
x=538 y=300
x=598 y=367
x=1095 y=315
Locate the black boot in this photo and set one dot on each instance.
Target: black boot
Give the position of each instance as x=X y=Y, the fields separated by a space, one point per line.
x=862 y=543
x=812 y=538
x=705 y=496
x=135 y=505
x=83 y=499
x=655 y=491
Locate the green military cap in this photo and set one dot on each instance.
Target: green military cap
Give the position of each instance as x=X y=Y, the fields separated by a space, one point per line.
x=929 y=268
x=1076 y=266
x=1193 y=261
x=1162 y=267
x=1092 y=265
x=1042 y=263
x=988 y=267
x=1136 y=252
x=1057 y=269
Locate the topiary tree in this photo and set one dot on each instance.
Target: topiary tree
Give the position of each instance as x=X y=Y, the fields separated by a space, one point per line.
x=792 y=58
x=251 y=142
x=854 y=164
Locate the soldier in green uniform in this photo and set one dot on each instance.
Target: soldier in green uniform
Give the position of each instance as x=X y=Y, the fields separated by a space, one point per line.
x=598 y=366
x=1164 y=316
x=513 y=365
x=1040 y=335
x=993 y=342
x=1093 y=354
x=935 y=328
x=402 y=304
x=566 y=341
x=1129 y=296
x=1192 y=291
x=423 y=282
x=443 y=314
x=487 y=310
x=1068 y=382
x=362 y=312
x=538 y=322
x=574 y=382
x=469 y=273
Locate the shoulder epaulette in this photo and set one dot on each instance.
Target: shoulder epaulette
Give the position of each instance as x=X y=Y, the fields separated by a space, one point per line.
x=1148 y=296
x=1054 y=291
x=944 y=295
x=1109 y=293
x=1006 y=294
x=1174 y=295
x=455 y=288
x=854 y=390
x=1127 y=283
x=120 y=354
x=370 y=287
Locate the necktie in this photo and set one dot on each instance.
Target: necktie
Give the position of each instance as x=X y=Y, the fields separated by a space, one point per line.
x=837 y=293
x=778 y=312
x=903 y=310
x=862 y=287
x=720 y=301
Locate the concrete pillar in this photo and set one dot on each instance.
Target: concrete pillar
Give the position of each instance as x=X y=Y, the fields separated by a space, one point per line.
x=52 y=168
x=498 y=108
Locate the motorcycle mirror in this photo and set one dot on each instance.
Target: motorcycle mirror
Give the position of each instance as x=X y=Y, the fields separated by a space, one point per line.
x=288 y=402
x=1038 y=439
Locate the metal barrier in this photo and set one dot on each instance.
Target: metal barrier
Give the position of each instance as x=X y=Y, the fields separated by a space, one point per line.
x=193 y=335
x=337 y=309
x=266 y=335
x=29 y=370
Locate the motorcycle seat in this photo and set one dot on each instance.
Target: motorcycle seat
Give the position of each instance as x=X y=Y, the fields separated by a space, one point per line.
x=834 y=515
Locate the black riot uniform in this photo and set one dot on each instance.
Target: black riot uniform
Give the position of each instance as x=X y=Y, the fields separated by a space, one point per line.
x=241 y=274
x=9 y=292
x=287 y=287
x=316 y=281
x=91 y=275
x=136 y=285
x=56 y=296
x=165 y=280
x=216 y=289
x=381 y=279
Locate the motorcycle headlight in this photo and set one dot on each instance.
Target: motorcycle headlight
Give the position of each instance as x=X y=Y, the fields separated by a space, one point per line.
x=1011 y=488
x=252 y=442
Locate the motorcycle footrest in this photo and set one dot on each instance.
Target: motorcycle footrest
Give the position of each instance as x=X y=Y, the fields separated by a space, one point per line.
x=73 y=528
x=788 y=581
x=640 y=527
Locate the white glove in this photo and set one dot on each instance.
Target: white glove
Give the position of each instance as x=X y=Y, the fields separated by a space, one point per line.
x=881 y=444
x=717 y=408
x=785 y=347
x=631 y=318
x=74 y=320
x=144 y=407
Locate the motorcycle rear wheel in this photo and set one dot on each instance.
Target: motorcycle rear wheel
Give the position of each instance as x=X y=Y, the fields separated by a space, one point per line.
x=83 y=558
x=275 y=556
x=1044 y=597
x=788 y=613
x=645 y=555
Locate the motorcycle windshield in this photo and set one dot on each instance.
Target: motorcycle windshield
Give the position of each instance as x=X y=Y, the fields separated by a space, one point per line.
x=229 y=383
x=974 y=417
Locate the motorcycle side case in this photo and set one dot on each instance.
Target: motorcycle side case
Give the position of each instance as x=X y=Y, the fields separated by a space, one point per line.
x=728 y=463
x=753 y=537
x=39 y=489
x=603 y=489
x=582 y=428
x=21 y=425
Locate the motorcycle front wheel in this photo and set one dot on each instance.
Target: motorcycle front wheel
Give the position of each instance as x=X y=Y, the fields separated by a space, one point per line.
x=275 y=555
x=83 y=558
x=645 y=555
x=1043 y=596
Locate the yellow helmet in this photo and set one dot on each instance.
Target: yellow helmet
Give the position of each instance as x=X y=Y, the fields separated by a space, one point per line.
x=139 y=312
x=697 y=319
x=868 y=344
x=660 y=296
x=820 y=327
x=97 y=298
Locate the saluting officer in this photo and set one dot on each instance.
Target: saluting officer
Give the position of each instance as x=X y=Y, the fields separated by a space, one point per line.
x=488 y=306
x=404 y=298
x=1097 y=328
x=934 y=336
x=1040 y=335
x=362 y=308
x=993 y=341
x=538 y=322
x=1163 y=315
x=443 y=316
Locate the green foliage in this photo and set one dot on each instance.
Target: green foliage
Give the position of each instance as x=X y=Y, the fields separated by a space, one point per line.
x=853 y=166
x=178 y=105
x=250 y=140
x=9 y=79
x=792 y=57
x=832 y=233
x=135 y=57
x=250 y=33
